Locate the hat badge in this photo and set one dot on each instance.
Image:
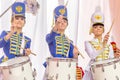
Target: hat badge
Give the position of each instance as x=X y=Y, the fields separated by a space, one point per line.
x=62 y=11
x=98 y=17
x=19 y=8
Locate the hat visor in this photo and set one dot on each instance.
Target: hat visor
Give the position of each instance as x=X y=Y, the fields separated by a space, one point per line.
x=19 y=16
x=95 y=24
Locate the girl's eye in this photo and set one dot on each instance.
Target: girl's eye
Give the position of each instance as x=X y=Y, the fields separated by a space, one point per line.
x=16 y=18
x=95 y=27
x=22 y=18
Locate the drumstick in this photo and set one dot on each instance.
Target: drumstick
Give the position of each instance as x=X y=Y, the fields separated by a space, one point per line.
x=31 y=52
x=73 y=45
x=81 y=55
x=79 y=52
x=111 y=27
x=6 y=10
x=66 y=3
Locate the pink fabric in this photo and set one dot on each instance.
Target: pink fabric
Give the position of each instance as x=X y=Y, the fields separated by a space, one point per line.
x=115 y=14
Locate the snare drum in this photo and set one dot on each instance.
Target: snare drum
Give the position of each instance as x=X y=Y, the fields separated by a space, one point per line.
x=19 y=68
x=106 y=70
x=61 y=69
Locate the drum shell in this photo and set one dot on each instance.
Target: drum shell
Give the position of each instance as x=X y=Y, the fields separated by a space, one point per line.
x=19 y=68
x=61 y=68
x=106 y=70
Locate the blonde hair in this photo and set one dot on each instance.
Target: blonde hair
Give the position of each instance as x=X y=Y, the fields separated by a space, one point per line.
x=91 y=30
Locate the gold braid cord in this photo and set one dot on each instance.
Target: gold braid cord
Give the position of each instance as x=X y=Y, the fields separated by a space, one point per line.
x=78 y=73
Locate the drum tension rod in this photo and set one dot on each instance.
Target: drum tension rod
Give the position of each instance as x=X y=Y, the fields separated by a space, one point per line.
x=22 y=68
x=25 y=78
x=103 y=68
x=10 y=72
x=117 y=78
x=57 y=63
x=69 y=77
x=56 y=76
x=92 y=69
x=114 y=66
x=31 y=64
x=69 y=64
x=34 y=73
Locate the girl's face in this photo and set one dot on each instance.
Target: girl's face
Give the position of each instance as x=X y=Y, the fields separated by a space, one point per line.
x=98 y=30
x=18 y=21
x=63 y=24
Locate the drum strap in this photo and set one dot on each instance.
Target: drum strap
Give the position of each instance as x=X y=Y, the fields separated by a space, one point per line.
x=22 y=44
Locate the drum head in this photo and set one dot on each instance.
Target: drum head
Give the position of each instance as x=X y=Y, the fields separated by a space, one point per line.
x=105 y=62
x=17 y=61
x=61 y=59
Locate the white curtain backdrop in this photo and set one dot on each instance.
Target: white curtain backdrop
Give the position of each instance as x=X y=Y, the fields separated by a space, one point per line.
x=79 y=14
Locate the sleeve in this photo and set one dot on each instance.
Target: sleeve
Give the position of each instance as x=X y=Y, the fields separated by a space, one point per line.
x=45 y=64
x=50 y=37
x=2 y=40
x=111 y=54
x=28 y=44
x=1 y=59
x=71 y=54
x=92 y=52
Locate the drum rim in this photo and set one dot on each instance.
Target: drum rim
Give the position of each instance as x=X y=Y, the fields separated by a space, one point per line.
x=15 y=65
x=61 y=59
x=106 y=64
